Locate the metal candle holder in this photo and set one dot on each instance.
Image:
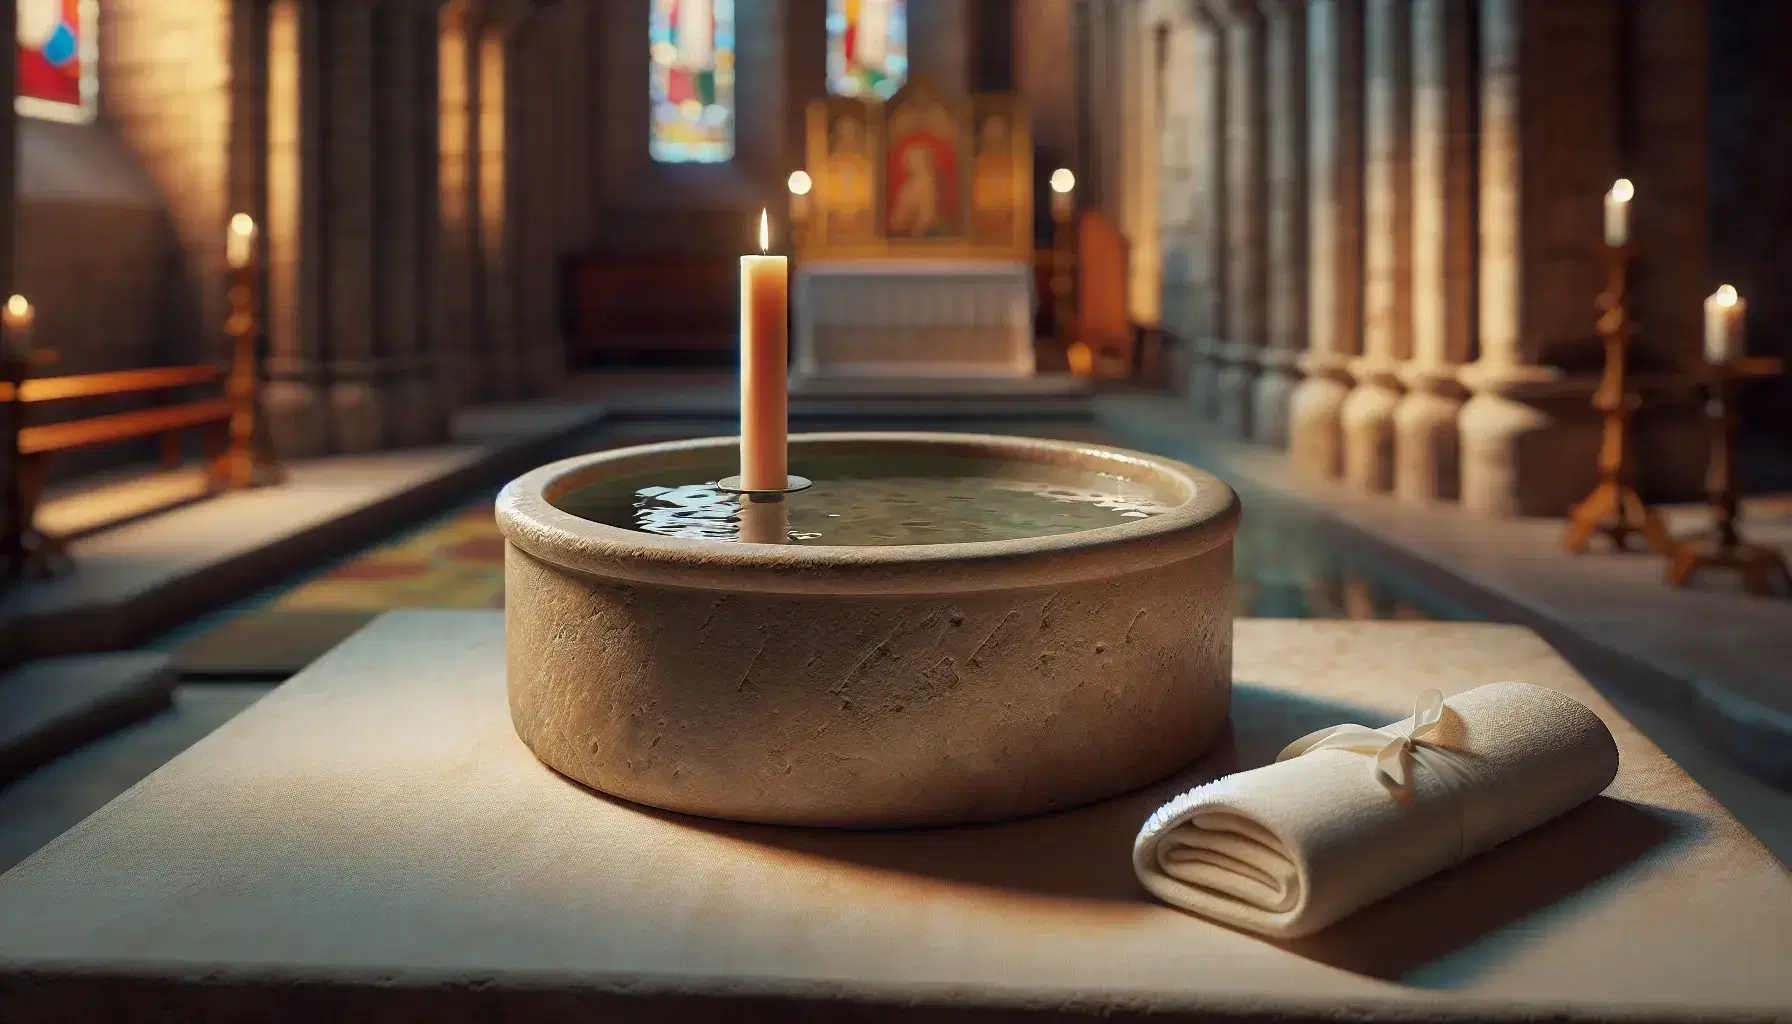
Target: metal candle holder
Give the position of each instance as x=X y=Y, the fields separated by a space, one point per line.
x=792 y=484
x=1614 y=508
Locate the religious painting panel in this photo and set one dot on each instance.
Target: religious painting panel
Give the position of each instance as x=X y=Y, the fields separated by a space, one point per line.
x=58 y=59
x=923 y=173
x=1001 y=170
x=867 y=47
x=848 y=190
x=691 y=81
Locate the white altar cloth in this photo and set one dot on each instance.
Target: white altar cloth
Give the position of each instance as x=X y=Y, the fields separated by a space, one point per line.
x=914 y=318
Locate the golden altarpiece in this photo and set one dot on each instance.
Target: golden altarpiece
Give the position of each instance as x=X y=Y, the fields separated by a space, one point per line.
x=914 y=247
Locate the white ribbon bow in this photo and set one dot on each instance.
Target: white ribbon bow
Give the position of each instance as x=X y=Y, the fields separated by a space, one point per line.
x=1394 y=748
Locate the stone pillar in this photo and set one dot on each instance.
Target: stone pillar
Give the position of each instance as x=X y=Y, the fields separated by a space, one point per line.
x=1443 y=255
x=1335 y=224
x=351 y=148
x=1668 y=158
x=1141 y=90
x=1549 y=71
x=497 y=352
x=571 y=52
x=457 y=300
x=1368 y=413
x=534 y=159
x=1247 y=224
x=294 y=400
x=9 y=203
x=1208 y=253
x=1178 y=228
x=406 y=171
x=1286 y=82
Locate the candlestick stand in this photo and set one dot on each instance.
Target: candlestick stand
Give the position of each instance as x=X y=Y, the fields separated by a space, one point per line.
x=246 y=461
x=1614 y=508
x=27 y=551
x=1722 y=547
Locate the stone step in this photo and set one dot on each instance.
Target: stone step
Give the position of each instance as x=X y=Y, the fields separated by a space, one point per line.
x=52 y=706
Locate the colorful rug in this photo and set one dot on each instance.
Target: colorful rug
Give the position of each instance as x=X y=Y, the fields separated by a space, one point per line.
x=456 y=563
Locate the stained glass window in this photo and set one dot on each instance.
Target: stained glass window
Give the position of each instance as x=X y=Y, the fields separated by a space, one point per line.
x=867 y=47
x=691 y=81
x=57 y=59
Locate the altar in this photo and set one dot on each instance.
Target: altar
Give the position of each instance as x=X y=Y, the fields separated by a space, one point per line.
x=914 y=238
x=372 y=841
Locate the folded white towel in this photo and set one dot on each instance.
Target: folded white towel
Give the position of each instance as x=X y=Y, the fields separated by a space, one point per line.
x=1349 y=815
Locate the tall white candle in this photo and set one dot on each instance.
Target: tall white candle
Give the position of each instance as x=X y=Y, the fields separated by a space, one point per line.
x=764 y=355
x=1617 y=212
x=1725 y=338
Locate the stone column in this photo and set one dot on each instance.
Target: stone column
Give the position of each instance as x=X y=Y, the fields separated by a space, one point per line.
x=351 y=151
x=574 y=92
x=1335 y=224
x=1668 y=157
x=1286 y=81
x=457 y=301
x=497 y=352
x=1208 y=253
x=1141 y=89
x=1247 y=225
x=9 y=203
x=406 y=171
x=534 y=160
x=294 y=400
x=1549 y=71
x=1443 y=257
x=1368 y=413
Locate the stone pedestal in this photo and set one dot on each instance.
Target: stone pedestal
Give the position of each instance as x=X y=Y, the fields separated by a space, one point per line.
x=1529 y=441
x=1427 y=458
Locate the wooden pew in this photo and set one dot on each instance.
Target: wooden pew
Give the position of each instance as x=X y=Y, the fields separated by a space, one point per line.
x=34 y=446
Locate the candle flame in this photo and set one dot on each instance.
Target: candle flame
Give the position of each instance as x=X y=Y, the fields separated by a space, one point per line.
x=18 y=306
x=1623 y=191
x=242 y=224
x=799 y=183
x=1063 y=180
x=1726 y=296
x=765 y=232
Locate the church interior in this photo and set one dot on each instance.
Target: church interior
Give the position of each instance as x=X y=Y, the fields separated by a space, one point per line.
x=1462 y=311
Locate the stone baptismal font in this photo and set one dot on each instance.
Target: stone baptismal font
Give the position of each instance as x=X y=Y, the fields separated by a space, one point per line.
x=940 y=629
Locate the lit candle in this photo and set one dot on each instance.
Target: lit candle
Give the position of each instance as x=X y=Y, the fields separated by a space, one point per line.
x=1617 y=212
x=1062 y=182
x=16 y=320
x=1725 y=340
x=764 y=347
x=239 y=245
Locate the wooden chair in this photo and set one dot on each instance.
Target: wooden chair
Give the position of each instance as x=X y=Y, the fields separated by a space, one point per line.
x=1103 y=330
x=34 y=446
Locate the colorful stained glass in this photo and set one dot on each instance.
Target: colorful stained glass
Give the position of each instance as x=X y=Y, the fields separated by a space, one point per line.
x=867 y=47
x=691 y=81
x=57 y=59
